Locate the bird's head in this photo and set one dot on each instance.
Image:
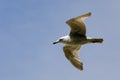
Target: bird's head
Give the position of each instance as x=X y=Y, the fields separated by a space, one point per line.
x=64 y=39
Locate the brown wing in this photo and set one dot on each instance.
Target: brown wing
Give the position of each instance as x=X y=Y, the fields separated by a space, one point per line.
x=71 y=53
x=77 y=25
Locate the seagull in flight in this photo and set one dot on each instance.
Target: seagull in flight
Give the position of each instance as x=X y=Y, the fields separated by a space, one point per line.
x=76 y=38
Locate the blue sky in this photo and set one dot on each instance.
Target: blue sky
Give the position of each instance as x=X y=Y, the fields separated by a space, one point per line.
x=28 y=28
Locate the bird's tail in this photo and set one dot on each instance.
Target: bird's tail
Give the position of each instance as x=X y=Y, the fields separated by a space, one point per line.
x=96 y=40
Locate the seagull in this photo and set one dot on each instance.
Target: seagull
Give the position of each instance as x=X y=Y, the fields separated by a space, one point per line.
x=76 y=38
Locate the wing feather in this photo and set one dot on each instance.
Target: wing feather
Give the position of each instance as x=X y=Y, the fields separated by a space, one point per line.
x=77 y=25
x=71 y=53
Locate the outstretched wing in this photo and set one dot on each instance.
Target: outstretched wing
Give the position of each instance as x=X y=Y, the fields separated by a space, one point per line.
x=71 y=53
x=77 y=25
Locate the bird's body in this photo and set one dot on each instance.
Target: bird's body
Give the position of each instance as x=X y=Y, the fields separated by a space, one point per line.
x=76 y=39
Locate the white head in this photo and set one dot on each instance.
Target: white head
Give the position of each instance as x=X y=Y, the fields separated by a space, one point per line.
x=64 y=39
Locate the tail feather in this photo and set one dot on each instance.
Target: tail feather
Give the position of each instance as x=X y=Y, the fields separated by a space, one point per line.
x=94 y=40
x=100 y=40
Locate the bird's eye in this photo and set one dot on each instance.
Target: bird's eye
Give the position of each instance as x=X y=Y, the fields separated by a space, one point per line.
x=60 y=39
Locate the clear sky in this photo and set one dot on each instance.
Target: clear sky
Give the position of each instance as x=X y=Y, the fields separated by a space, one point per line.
x=28 y=28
